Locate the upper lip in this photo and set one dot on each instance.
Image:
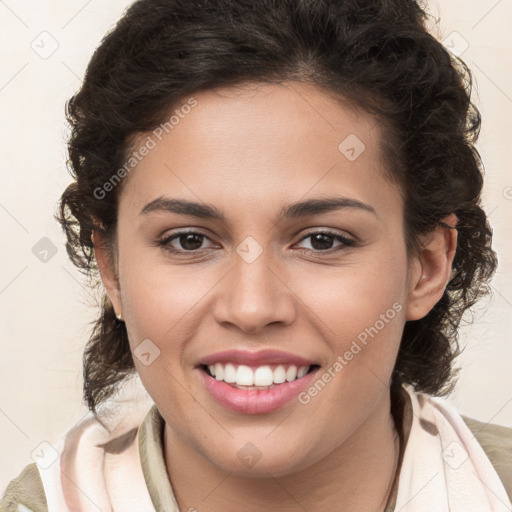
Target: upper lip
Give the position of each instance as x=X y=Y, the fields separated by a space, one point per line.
x=259 y=358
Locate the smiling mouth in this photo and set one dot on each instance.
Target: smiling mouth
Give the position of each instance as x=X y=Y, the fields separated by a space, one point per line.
x=262 y=377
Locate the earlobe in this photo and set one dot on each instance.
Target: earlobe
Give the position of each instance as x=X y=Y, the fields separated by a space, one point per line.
x=107 y=269
x=431 y=269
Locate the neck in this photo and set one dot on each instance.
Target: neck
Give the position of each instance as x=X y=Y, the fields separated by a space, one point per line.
x=357 y=476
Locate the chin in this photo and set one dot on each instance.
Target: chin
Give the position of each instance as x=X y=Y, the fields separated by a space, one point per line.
x=250 y=461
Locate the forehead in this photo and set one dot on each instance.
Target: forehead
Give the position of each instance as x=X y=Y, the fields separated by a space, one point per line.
x=260 y=144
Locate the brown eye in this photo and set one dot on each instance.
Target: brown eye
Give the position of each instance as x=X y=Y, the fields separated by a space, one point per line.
x=190 y=241
x=322 y=241
x=186 y=241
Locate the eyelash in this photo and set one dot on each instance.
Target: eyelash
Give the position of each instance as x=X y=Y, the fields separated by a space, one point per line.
x=347 y=242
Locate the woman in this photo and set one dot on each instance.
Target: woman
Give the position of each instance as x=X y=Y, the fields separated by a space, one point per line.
x=283 y=202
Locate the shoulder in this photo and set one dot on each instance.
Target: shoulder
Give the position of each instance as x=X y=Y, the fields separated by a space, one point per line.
x=25 y=493
x=496 y=442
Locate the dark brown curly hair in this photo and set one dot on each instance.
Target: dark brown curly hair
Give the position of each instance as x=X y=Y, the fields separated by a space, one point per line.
x=376 y=53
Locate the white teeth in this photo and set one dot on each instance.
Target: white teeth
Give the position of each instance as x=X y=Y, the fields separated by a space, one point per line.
x=219 y=371
x=262 y=377
x=279 y=375
x=291 y=373
x=300 y=372
x=244 y=376
x=229 y=373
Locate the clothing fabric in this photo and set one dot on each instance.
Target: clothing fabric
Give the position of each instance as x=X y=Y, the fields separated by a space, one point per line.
x=447 y=464
x=444 y=468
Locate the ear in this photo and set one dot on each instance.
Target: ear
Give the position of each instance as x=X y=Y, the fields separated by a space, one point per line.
x=107 y=267
x=431 y=268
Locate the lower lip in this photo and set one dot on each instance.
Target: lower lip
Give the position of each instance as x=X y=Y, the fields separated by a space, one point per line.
x=255 y=401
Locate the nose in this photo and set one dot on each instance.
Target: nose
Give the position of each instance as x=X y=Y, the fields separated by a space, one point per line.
x=254 y=295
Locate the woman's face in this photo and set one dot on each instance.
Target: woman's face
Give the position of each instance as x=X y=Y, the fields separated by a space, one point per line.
x=253 y=281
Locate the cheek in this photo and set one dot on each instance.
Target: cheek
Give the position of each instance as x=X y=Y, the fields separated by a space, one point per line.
x=359 y=309
x=355 y=294
x=159 y=296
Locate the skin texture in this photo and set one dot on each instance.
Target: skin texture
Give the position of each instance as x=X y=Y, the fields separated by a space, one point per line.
x=250 y=151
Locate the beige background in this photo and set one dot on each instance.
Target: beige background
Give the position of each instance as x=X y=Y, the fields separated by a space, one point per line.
x=44 y=308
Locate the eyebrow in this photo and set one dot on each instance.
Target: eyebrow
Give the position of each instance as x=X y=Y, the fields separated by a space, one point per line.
x=291 y=211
